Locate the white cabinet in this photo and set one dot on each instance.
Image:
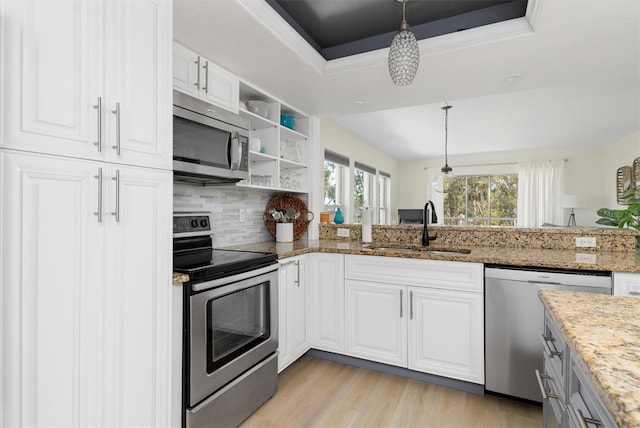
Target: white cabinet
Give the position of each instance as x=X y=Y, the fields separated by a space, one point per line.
x=376 y=322
x=327 y=292
x=445 y=333
x=425 y=315
x=88 y=79
x=86 y=334
x=203 y=79
x=292 y=311
x=626 y=284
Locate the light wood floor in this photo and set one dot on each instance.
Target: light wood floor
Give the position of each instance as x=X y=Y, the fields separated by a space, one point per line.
x=318 y=393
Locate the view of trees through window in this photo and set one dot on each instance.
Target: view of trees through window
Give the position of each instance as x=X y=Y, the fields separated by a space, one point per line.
x=481 y=200
x=363 y=192
x=330 y=183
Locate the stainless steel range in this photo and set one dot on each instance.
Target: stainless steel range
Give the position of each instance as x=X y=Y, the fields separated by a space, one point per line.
x=230 y=326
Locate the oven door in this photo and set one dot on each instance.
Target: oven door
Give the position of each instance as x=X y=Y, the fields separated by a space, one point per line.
x=233 y=326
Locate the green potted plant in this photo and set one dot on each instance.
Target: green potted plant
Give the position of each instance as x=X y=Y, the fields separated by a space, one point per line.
x=626 y=218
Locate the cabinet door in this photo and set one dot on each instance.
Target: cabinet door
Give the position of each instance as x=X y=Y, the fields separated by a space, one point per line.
x=327 y=296
x=626 y=284
x=446 y=333
x=51 y=283
x=185 y=70
x=138 y=294
x=219 y=87
x=139 y=96
x=376 y=321
x=51 y=76
x=292 y=326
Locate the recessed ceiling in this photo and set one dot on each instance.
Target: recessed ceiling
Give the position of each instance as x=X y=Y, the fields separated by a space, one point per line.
x=337 y=29
x=577 y=62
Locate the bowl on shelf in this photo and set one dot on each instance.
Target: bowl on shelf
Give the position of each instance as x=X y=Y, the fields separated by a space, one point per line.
x=288 y=120
x=258 y=107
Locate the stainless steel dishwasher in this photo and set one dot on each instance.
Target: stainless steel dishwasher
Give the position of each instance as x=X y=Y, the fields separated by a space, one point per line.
x=514 y=319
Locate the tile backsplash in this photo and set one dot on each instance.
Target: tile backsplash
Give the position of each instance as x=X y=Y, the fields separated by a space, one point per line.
x=225 y=203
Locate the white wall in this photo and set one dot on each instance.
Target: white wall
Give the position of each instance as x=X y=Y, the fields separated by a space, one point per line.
x=589 y=172
x=339 y=140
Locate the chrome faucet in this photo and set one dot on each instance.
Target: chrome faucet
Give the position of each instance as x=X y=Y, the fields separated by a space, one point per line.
x=434 y=219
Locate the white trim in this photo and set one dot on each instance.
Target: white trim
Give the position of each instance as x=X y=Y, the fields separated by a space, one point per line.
x=272 y=21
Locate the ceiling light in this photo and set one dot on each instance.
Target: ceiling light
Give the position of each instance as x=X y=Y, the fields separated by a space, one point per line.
x=446 y=171
x=404 y=55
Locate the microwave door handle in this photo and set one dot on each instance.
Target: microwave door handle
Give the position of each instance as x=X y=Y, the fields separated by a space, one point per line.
x=236 y=151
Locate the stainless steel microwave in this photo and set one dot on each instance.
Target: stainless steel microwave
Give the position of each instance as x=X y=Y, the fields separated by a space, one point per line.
x=210 y=145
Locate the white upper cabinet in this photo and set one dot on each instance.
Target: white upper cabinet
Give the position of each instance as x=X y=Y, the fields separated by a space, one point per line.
x=88 y=79
x=201 y=78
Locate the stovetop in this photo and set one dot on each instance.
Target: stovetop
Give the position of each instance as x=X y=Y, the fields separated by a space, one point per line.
x=224 y=263
x=194 y=254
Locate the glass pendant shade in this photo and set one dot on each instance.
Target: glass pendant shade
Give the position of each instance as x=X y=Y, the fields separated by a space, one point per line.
x=404 y=55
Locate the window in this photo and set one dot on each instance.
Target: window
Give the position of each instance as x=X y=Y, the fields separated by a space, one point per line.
x=364 y=190
x=481 y=200
x=384 y=198
x=335 y=180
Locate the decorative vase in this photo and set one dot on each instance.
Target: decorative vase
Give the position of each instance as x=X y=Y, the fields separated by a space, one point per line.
x=284 y=232
x=338 y=218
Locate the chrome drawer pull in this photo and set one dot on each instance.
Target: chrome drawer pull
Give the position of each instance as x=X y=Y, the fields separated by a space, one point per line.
x=584 y=421
x=116 y=213
x=198 y=68
x=545 y=395
x=400 y=303
x=117 y=113
x=99 y=108
x=545 y=345
x=99 y=212
x=634 y=293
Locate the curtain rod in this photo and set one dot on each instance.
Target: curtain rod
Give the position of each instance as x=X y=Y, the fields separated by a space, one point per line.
x=488 y=164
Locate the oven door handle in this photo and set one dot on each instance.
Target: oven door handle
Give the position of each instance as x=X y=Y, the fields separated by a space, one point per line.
x=234 y=278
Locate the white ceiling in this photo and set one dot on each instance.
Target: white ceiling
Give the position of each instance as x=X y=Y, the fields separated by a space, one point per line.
x=578 y=62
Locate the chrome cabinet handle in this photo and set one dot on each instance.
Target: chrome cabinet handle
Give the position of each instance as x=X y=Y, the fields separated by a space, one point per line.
x=99 y=212
x=117 y=113
x=198 y=77
x=206 y=77
x=584 y=421
x=545 y=395
x=400 y=303
x=548 y=350
x=634 y=293
x=99 y=108
x=116 y=213
x=410 y=305
x=298 y=268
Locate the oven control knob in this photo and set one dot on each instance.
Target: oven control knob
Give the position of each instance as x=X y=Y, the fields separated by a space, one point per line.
x=194 y=223
x=204 y=222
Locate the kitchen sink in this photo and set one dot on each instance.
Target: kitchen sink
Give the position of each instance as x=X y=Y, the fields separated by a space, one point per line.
x=408 y=248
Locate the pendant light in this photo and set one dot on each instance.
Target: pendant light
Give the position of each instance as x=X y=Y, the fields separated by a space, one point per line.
x=404 y=55
x=446 y=171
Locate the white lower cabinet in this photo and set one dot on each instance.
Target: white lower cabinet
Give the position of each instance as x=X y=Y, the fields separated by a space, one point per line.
x=86 y=304
x=326 y=294
x=431 y=325
x=446 y=333
x=292 y=311
x=376 y=321
x=626 y=284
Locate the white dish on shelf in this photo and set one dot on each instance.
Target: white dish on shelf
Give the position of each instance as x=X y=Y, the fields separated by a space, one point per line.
x=258 y=107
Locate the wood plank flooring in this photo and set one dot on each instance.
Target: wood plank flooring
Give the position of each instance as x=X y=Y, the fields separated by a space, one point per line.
x=319 y=393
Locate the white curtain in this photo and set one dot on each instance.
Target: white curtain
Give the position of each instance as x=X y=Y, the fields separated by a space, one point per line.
x=432 y=195
x=540 y=188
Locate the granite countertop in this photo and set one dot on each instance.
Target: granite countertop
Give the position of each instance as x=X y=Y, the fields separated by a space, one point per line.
x=603 y=333
x=615 y=261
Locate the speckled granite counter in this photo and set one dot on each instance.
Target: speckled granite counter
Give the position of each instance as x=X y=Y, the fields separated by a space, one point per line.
x=615 y=261
x=618 y=261
x=603 y=333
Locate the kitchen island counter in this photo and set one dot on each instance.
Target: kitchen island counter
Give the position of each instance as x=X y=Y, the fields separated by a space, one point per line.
x=603 y=333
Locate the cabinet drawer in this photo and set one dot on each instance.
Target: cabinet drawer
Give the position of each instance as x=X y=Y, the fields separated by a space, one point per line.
x=583 y=402
x=427 y=273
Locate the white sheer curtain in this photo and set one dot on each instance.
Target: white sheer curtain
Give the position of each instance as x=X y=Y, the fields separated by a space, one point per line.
x=540 y=188
x=432 y=195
